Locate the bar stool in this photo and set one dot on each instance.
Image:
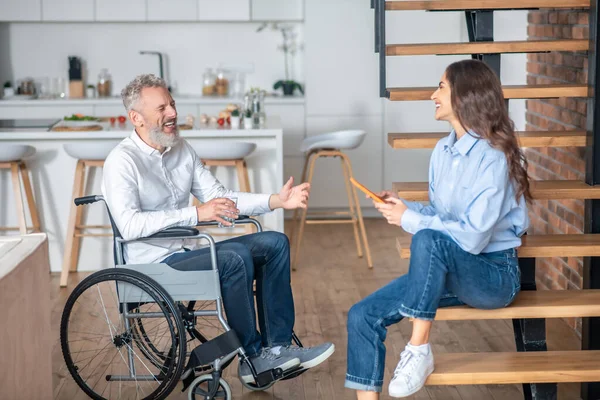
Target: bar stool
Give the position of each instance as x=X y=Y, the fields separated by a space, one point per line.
x=11 y=157
x=88 y=155
x=215 y=153
x=331 y=145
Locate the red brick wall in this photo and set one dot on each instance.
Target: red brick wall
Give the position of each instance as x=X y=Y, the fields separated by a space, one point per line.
x=557 y=217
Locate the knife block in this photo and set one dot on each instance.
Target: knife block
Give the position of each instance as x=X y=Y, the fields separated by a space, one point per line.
x=76 y=89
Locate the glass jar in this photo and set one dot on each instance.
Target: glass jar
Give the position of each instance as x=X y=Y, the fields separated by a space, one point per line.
x=209 y=80
x=104 y=83
x=222 y=83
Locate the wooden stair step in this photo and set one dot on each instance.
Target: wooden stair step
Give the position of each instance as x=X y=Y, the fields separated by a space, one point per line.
x=526 y=46
x=510 y=92
x=428 y=140
x=509 y=368
x=540 y=190
x=577 y=245
x=451 y=5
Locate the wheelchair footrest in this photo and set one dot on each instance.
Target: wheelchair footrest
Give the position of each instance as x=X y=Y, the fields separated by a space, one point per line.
x=215 y=348
x=265 y=378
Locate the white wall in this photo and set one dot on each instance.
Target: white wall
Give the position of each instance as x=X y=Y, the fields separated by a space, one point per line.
x=190 y=48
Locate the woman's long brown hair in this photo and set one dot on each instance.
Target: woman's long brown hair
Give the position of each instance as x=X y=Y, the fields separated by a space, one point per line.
x=478 y=104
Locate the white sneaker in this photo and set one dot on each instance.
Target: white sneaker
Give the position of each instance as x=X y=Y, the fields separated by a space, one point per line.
x=415 y=365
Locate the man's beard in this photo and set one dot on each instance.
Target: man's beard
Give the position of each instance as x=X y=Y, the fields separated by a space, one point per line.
x=158 y=137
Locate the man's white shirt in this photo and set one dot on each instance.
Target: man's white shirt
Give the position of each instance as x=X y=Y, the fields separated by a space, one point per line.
x=147 y=191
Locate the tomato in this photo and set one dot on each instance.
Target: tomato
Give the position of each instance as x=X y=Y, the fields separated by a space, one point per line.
x=79 y=115
x=112 y=120
x=229 y=120
x=221 y=121
x=122 y=119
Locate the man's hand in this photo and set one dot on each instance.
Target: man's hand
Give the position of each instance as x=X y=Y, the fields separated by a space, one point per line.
x=214 y=209
x=393 y=210
x=291 y=197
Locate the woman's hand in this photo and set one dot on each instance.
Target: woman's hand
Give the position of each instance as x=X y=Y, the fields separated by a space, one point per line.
x=386 y=195
x=392 y=211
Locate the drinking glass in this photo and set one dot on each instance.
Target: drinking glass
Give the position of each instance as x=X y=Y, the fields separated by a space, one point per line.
x=227 y=217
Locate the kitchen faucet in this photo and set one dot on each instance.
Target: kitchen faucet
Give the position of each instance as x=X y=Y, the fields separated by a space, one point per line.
x=160 y=61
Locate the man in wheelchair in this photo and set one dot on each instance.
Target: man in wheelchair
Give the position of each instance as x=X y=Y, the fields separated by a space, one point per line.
x=147 y=182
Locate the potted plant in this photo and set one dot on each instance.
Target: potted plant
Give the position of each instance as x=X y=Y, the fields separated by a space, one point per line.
x=8 y=89
x=289 y=48
x=90 y=92
x=235 y=119
x=248 y=119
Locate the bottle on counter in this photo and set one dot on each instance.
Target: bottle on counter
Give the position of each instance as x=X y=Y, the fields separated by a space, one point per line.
x=104 y=83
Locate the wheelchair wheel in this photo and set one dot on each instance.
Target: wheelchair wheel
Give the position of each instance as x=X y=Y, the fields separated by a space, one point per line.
x=97 y=339
x=199 y=329
x=252 y=386
x=203 y=385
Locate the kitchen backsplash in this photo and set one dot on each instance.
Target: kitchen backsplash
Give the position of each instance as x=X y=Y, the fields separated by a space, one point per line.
x=189 y=48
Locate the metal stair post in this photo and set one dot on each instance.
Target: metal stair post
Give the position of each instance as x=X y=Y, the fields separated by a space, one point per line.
x=590 y=335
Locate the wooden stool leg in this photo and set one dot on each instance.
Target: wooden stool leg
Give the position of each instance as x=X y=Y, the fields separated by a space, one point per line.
x=14 y=168
x=79 y=220
x=351 y=205
x=359 y=214
x=35 y=220
x=69 y=239
x=297 y=211
x=303 y=216
x=244 y=182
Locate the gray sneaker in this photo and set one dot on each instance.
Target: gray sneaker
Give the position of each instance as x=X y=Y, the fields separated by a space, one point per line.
x=309 y=356
x=266 y=361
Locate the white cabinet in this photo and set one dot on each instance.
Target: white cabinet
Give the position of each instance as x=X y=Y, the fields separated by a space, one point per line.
x=277 y=10
x=223 y=10
x=119 y=10
x=293 y=124
x=68 y=10
x=172 y=10
x=20 y=10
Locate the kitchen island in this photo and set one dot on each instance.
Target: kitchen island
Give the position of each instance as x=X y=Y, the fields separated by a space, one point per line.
x=53 y=170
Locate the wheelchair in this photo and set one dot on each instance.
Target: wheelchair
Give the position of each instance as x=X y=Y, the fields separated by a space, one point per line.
x=136 y=331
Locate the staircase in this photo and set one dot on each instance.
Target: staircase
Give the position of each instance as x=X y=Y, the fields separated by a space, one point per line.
x=531 y=365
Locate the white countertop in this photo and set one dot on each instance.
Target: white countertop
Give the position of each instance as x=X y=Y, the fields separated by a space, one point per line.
x=271 y=128
x=180 y=99
x=14 y=249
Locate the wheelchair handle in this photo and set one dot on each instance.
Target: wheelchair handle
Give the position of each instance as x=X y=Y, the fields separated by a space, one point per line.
x=87 y=200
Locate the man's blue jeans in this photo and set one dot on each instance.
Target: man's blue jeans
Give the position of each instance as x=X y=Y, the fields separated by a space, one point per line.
x=263 y=256
x=441 y=274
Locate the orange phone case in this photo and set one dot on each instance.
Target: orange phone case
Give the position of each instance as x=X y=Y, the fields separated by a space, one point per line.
x=366 y=191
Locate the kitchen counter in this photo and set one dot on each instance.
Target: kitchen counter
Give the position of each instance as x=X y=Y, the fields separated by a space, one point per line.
x=53 y=170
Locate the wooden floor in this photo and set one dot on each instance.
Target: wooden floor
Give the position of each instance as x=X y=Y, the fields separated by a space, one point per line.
x=331 y=278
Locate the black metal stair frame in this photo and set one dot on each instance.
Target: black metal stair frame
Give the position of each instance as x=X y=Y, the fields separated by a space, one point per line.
x=530 y=334
x=591 y=265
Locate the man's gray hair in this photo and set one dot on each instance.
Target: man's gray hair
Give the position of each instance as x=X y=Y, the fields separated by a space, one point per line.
x=131 y=93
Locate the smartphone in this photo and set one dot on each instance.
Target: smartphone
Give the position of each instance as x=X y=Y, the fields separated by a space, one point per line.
x=366 y=191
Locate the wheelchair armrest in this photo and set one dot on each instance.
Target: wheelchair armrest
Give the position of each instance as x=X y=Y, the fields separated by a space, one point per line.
x=176 y=231
x=241 y=219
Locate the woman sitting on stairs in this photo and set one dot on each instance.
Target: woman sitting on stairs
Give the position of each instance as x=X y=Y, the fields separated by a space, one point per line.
x=463 y=248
